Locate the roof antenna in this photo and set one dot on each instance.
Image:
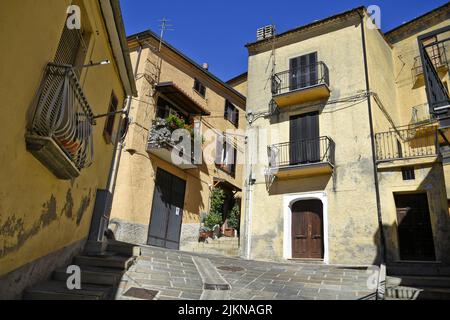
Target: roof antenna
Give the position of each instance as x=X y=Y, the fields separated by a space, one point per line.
x=164 y=26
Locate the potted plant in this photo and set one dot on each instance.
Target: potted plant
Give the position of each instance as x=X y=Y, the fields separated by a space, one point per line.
x=205 y=233
x=214 y=219
x=233 y=222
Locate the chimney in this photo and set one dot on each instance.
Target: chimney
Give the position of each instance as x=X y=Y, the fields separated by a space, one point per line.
x=265 y=32
x=205 y=66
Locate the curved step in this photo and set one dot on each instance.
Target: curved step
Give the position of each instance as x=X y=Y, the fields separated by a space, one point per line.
x=57 y=290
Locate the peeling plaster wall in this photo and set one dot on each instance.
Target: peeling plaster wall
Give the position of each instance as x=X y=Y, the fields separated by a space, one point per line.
x=40 y=214
x=352 y=218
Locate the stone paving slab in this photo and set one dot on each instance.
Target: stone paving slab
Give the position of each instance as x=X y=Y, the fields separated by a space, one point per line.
x=175 y=276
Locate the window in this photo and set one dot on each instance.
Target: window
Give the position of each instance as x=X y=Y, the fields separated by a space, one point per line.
x=408 y=173
x=109 y=125
x=226 y=155
x=231 y=113
x=164 y=108
x=199 y=88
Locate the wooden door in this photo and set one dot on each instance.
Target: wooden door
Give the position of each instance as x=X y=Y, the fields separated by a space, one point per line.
x=307 y=230
x=304 y=139
x=167 y=211
x=414 y=227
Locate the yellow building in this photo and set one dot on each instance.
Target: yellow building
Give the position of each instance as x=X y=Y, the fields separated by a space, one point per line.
x=159 y=200
x=342 y=145
x=56 y=76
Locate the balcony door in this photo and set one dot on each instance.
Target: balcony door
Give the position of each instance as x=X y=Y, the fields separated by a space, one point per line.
x=303 y=71
x=304 y=139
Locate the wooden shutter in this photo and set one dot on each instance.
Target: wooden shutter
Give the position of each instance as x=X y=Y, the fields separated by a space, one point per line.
x=303 y=71
x=219 y=149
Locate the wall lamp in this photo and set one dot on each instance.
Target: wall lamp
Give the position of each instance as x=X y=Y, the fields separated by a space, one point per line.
x=94 y=64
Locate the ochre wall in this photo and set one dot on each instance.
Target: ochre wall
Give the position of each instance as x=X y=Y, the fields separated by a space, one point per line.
x=352 y=222
x=40 y=214
x=137 y=173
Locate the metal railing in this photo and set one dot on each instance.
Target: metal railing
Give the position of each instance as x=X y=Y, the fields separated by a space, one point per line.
x=438 y=57
x=393 y=145
x=301 y=152
x=420 y=114
x=63 y=114
x=300 y=78
x=161 y=136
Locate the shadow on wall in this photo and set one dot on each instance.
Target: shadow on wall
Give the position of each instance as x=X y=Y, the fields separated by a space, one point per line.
x=421 y=230
x=292 y=186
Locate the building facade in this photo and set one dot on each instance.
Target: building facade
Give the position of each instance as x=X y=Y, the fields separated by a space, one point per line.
x=161 y=200
x=348 y=166
x=55 y=154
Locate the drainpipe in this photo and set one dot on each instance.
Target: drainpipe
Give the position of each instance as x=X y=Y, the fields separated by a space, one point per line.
x=372 y=140
x=248 y=191
x=120 y=140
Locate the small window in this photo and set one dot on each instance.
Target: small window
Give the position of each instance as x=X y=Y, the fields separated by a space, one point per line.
x=109 y=125
x=408 y=173
x=199 y=87
x=231 y=113
x=226 y=155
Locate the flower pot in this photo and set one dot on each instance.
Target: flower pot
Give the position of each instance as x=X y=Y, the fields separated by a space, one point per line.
x=206 y=234
x=228 y=233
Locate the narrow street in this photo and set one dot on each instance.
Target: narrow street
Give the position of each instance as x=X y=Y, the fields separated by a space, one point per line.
x=173 y=275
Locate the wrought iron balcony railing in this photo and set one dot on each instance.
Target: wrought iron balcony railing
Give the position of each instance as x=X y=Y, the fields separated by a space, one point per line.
x=63 y=116
x=300 y=78
x=438 y=57
x=404 y=144
x=301 y=152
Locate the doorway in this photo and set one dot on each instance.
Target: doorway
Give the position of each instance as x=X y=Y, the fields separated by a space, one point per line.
x=307 y=230
x=167 y=211
x=415 y=234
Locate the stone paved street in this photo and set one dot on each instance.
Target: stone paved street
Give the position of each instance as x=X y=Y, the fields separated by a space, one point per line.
x=173 y=275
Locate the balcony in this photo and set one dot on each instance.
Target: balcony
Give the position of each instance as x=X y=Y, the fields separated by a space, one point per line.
x=162 y=145
x=405 y=145
x=305 y=84
x=422 y=123
x=438 y=57
x=59 y=132
x=302 y=158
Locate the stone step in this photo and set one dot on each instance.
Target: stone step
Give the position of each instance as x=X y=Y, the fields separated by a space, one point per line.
x=418 y=269
x=57 y=290
x=417 y=293
x=124 y=248
x=420 y=281
x=108 y=260
x=91 y=275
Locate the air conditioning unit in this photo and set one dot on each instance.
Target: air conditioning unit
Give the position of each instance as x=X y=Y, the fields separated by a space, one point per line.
x=265 y=32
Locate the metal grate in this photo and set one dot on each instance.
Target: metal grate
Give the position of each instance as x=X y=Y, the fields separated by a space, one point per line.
x=63 y=114
x=231 y=268
x=408 y=173
x=140 y=293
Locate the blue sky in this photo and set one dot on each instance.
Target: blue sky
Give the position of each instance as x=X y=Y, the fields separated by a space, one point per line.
x=216 y=31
